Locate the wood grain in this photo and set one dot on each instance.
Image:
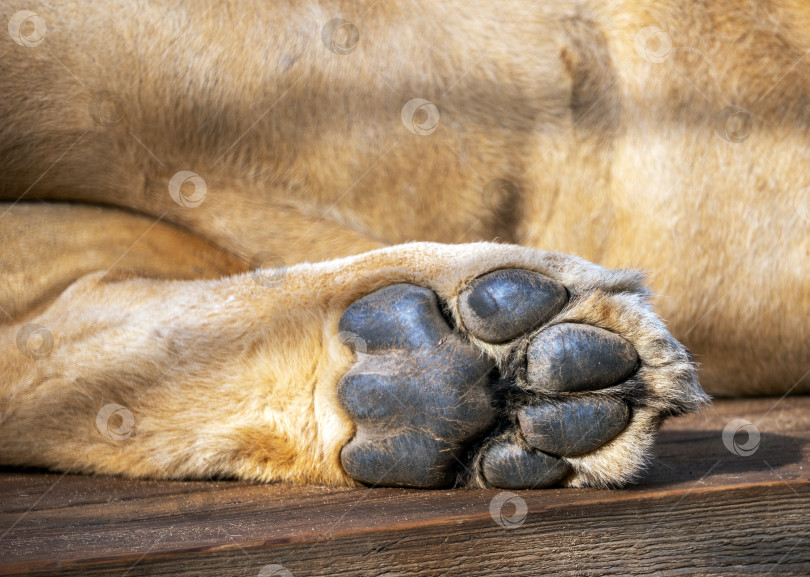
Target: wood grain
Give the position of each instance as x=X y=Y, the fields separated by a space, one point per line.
x=700 y=510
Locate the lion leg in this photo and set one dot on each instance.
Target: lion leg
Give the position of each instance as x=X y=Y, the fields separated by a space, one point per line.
x=416 y=365
x=175 y=379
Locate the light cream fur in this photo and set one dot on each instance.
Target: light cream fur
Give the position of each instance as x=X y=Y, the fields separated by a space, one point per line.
x=611 y=156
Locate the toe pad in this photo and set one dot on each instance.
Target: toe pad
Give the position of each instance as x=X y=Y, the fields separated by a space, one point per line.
x=509 y=466
x=504 y=304
x=574 y=426
x=575 y=357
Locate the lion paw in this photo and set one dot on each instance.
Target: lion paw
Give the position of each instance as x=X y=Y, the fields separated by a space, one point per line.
x=513 y=384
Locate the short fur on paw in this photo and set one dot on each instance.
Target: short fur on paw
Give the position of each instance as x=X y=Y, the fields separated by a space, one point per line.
x=517 y=381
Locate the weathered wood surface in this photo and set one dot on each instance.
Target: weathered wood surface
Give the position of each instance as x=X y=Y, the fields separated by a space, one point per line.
x=700 y=510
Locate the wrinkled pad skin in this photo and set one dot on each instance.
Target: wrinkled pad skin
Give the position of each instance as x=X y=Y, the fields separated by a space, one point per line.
x=443 y=388
x=417 y=394
x=510 y=466
x=573 y=426
x=504 y=304
x=398 y=460
x=574 y=357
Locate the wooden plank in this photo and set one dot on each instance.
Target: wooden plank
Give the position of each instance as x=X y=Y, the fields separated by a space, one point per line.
x=701 y=509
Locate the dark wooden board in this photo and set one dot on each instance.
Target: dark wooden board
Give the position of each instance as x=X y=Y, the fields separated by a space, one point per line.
x=700 y=510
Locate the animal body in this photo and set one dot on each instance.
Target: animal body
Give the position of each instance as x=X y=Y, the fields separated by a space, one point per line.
x=330 y=242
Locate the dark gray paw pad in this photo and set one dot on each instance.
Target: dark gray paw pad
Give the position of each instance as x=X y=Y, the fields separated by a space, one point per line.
x=509 y=466
x=442 y=392
x=573 y=426
x=504 y=304
x=403 y=460
x=418 y=393
x=400 y=316
x=574 y=357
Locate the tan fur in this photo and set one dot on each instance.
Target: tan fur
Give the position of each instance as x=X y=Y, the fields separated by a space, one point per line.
x=611 y=157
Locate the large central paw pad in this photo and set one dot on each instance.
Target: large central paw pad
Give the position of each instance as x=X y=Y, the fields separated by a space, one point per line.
x=418 y=393
x=431 y=407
